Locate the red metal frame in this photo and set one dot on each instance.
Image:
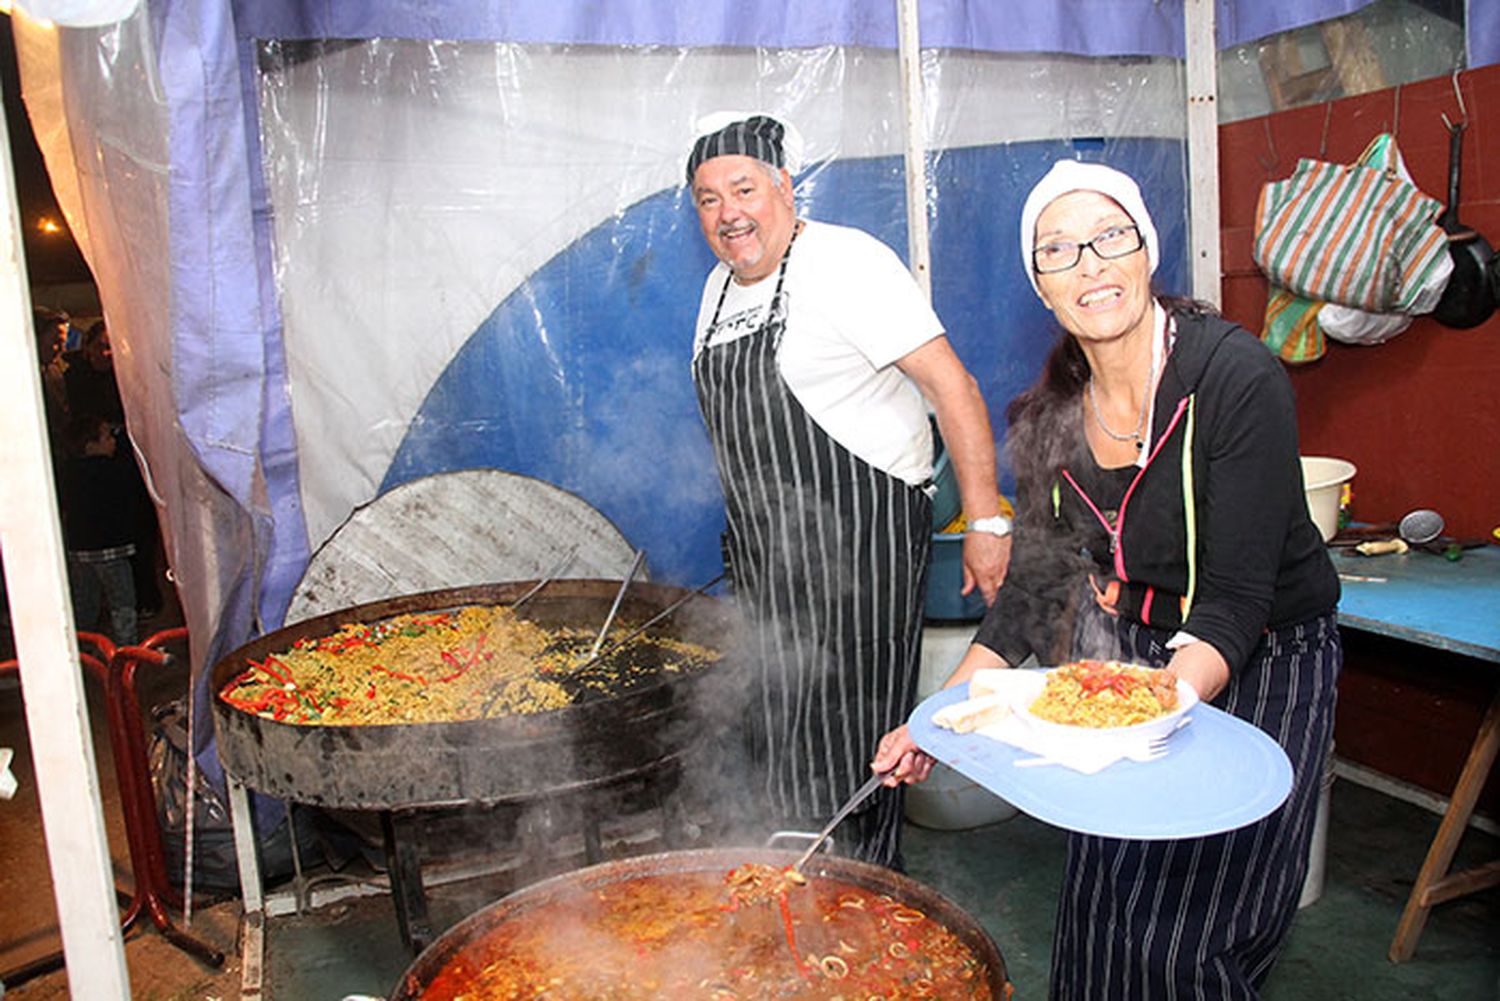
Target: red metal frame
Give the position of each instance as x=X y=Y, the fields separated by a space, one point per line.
x=116 y=668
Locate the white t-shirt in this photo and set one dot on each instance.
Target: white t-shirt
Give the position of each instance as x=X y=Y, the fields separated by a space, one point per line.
x=853 y=310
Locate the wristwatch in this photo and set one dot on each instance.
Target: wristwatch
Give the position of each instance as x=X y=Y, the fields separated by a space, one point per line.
x=995 y=525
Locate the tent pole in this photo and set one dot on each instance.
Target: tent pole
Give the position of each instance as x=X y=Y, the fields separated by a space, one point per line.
x=57 y=721
x=914 y=130
x=1203 y=148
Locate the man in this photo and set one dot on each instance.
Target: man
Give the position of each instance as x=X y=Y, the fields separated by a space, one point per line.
x=814 y=350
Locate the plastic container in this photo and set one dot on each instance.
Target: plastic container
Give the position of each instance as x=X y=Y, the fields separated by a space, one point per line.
x=1323 y=478
x=948 y=801
x=945 y=578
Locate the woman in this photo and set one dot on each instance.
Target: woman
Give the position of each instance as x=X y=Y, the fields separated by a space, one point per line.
x=1157 y=460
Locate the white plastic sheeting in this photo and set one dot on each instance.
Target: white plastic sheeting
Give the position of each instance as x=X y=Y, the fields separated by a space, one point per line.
x=337 y=254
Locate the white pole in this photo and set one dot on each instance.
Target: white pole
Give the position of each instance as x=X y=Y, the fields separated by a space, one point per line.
x=915 y=131
x=1203 y=148
x=42 y=616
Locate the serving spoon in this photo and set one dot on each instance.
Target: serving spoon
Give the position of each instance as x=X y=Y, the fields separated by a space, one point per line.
x=860 y=795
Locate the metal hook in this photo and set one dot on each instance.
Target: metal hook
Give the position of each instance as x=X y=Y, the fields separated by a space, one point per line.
x=1271 y=158
x=1323 y=143
x=1462 y=108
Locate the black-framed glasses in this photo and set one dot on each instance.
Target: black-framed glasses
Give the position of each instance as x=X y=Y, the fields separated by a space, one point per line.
x=1063 y=255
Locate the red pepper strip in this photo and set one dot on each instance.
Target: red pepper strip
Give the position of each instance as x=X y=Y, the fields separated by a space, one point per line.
x=398 y=674
x=791 y=936
x=270 y=665
x=250 y=705
x=304 y=693
x=458 y=669
x=340 y=644
x=371 y=693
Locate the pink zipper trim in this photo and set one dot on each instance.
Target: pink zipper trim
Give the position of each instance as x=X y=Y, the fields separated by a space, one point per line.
x=1119 y=526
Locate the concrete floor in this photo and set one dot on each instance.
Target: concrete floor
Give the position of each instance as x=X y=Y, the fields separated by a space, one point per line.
x=1005 y=874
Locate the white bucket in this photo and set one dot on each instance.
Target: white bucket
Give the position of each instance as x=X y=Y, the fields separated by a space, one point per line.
x=1317 y=852
x=1323 y=480
x=948 y=801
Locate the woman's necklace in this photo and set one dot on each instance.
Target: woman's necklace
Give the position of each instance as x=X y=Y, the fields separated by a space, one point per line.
x=1138 y=435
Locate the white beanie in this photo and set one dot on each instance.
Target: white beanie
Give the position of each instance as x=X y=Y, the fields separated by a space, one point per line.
x=1075 y=175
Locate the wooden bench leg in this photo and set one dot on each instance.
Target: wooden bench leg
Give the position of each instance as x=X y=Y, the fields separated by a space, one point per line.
x=1434 y=885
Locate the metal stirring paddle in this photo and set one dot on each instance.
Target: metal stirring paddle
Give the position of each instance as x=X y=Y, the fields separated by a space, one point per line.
x=562 y=565
x=609 y=619
x=860 y=795
x=674 y=606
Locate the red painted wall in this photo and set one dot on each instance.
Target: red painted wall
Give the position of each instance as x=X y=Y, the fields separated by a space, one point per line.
x=1419 y=415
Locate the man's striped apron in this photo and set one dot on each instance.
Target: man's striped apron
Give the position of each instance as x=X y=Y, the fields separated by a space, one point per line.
x=829 y=557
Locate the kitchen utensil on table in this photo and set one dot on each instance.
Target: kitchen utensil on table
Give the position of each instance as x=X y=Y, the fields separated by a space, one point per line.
x=1383 y=547
x=1451 y=548
x=1415 y=529
x=1468 y=299
x=860 y=795
x=1419 y=526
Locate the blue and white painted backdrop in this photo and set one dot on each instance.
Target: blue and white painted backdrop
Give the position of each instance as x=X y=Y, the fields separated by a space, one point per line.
x=485 y=257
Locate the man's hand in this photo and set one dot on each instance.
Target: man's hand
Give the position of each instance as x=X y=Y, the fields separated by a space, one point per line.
x=986 y=558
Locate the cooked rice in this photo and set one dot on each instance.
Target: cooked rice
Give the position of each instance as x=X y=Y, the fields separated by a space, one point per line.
x=478 y=661
x=1097 y=693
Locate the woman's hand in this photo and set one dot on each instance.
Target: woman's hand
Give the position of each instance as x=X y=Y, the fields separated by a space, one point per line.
x=1201 y=666
x=900 y=755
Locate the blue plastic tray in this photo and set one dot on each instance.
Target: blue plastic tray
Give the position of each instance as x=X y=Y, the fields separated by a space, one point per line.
x=1220 y=774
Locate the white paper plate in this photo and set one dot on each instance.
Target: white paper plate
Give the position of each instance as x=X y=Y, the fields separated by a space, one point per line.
x=1135 y=734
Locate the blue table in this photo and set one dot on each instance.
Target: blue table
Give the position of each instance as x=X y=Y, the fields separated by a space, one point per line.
x=1446 y=605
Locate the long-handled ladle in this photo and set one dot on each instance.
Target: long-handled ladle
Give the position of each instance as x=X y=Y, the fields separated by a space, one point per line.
x=674 y=606
x=552 y=574
x=860 y=795
x=635 y=564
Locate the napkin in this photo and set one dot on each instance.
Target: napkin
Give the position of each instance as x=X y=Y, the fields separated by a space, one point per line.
x=1088 y=755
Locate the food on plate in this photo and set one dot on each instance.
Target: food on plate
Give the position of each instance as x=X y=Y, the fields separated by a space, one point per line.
x=672 y=935
x=474 y=662
x=1105 y=693
x=992 y=681
x=973 y=713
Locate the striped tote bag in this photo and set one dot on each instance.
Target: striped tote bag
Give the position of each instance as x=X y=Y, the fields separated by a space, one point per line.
x=1357 y=234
